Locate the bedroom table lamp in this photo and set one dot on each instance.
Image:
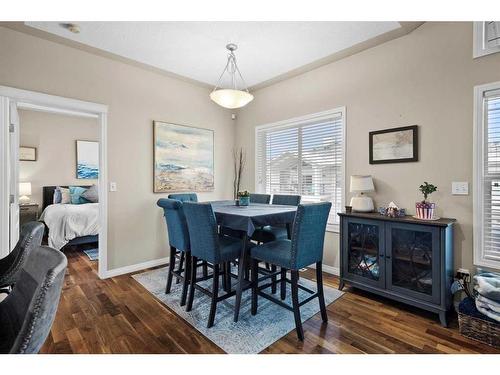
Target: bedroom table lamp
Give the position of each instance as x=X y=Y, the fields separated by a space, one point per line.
x=24 y=192
x=361 y=185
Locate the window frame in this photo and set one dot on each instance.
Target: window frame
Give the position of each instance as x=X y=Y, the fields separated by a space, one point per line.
x=318 y=116
x=478 y=174
x=479 y=48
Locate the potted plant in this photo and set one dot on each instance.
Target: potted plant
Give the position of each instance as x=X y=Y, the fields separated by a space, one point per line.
x=244 y=197
x=425 y=209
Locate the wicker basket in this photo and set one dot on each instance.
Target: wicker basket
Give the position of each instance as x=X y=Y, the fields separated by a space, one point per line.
x=470 y=325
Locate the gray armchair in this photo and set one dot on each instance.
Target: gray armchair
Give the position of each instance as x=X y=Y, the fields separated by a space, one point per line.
x=27 y=314
x=10 y=266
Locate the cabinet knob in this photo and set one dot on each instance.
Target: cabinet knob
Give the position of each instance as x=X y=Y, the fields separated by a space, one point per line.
x=381 y=255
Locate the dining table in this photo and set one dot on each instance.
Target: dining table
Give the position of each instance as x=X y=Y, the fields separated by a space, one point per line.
x=246 y=219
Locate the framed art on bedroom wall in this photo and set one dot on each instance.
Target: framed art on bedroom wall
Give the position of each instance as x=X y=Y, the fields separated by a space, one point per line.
x=395 y=145
x=27 y=153
x=87 y=160
x=183 y=158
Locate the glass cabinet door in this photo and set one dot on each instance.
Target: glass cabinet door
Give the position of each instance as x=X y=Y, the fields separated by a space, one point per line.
x=413 y=260
x=363 y=259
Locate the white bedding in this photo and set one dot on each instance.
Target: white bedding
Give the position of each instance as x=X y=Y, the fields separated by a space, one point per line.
x=67 y=221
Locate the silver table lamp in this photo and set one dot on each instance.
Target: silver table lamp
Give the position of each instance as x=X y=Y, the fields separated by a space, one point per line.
x=361 y=185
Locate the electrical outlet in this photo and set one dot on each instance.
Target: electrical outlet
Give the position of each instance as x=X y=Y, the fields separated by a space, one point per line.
x=112 y=186
x=460 y=188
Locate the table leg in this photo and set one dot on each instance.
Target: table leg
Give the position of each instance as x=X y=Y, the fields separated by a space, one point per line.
x=241 y=276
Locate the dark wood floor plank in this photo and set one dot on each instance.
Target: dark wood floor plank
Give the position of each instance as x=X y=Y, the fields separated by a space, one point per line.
x=118 y=315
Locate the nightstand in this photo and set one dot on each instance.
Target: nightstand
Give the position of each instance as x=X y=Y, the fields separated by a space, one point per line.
x=27 y=212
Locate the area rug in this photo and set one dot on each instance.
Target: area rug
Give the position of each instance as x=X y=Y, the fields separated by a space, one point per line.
x=93 y=254
x=251 y=334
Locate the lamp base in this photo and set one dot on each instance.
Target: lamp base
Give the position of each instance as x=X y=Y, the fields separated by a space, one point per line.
x=24 y=200
x=362 y=204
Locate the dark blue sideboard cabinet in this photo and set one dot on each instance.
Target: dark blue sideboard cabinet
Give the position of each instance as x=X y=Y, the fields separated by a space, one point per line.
x=405 y=259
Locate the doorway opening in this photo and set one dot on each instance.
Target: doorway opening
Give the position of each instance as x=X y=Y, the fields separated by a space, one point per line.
x=54 y=169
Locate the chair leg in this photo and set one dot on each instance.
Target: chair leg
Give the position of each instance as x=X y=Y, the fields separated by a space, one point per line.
x=215 y=294
x=283 y=283
x=295 y=304
x=205 y=268
x=273 y=279
x=194 y=262
x=228 y=276
x=321 y=295
x=171 y=267
x=187 y=276
x=181 y=265
x=255 y=285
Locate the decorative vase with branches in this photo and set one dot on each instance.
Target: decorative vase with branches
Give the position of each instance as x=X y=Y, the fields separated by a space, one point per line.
x=239 y=159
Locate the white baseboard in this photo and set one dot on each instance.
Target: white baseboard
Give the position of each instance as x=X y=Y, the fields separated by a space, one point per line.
x=136 y=267
x=328 y=269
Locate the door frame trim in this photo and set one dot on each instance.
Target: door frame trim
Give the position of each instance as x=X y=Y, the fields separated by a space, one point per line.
x=60 y=105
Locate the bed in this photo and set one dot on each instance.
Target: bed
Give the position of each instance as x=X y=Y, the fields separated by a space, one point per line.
x=88 y=210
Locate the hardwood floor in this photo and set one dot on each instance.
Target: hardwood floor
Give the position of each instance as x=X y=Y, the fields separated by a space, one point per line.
x=118 y=315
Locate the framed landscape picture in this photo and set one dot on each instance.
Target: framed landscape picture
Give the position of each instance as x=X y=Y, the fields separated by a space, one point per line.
x=183 y=158
x=87 y=159
x=396 y=145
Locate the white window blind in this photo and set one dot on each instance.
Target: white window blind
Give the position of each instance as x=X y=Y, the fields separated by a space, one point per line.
x=487 y=226
x=492 y=31
x=303 y=156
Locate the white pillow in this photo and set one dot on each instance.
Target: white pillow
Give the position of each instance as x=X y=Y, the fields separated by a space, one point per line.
x=65 y=195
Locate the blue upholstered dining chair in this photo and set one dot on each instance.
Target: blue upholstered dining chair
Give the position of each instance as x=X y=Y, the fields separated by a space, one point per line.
x=184 y=197
x=260 y=198
x=305 y=248
x=273 y=233
x=207 y=244
x=178 y=238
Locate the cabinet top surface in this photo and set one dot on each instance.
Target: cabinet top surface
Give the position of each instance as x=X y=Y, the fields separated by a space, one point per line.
x=28 y=204
x=442 y=222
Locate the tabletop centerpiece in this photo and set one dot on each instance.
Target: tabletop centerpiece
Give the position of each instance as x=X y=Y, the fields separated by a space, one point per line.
x=244 y=198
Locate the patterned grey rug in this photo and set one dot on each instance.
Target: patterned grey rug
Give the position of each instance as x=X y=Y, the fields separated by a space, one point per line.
x=251 y=334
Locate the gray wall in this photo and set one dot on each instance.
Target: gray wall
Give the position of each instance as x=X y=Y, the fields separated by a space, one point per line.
x=425 y=78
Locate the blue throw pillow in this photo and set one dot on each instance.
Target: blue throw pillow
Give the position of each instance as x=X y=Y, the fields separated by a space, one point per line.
x=57 y=195
x=76 y=195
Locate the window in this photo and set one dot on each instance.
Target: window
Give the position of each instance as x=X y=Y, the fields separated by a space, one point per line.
x=487 y=175
x=304 y=156
x=486 y=38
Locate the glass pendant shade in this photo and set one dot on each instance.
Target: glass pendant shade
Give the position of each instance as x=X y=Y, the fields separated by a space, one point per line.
x=232 y=97
x=229 y=98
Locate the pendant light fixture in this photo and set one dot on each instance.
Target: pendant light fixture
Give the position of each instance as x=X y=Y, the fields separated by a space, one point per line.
x=231 y=97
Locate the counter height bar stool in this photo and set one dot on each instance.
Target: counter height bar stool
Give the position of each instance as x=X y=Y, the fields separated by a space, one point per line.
x=273 y=233
x=178 y=238
x=208 y=245
x=304 y=248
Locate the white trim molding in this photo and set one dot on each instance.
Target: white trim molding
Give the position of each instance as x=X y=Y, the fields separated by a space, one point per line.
x=480 y=47
x=478 y=173
x=136 y=267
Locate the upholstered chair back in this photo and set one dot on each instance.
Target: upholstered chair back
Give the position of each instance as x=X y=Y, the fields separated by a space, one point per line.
x=260 y=198
x=308 y=234
x=287 y=200
x=29 y=239
x=202 y=231
x=177 y=229
x=184 y=197
x=27 y=313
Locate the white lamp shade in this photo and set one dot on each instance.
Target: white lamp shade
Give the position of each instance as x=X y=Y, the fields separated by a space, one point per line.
x=231 y=99
x=25 y=188
x=361 y=184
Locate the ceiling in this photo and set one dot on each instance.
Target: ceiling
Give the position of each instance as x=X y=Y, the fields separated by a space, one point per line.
x=196 y=50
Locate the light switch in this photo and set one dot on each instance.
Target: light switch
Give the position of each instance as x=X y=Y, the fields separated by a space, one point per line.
x=460 y=188
x=112 y=186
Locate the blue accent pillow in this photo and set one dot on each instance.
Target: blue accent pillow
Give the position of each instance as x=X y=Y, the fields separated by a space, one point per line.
x=76 y=195
x=57 y=195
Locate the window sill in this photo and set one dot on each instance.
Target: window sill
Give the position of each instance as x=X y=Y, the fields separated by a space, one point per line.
x=488 y=264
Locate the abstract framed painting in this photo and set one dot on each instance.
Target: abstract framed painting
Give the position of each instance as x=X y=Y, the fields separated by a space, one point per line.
x=183 y=158
x=87 y=160
x=396 y=145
